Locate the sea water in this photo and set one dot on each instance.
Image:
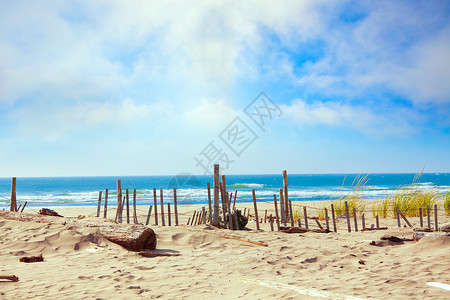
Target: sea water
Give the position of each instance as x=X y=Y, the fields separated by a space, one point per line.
x=191 y=189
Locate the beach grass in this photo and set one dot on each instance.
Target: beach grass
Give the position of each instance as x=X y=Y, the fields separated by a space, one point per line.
x=447 y=204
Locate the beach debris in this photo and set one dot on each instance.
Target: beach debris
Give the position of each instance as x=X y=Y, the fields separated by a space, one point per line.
x=291 y=229
x=156 y=254
x=439 y=285
x=395 y=239
x=12 y=278
x=418 y=235
x=310 y=260
x=131 y=237
x=49 y=212
x=423 y=229
x=361 y=262
x=30 y=259
x=445 y=227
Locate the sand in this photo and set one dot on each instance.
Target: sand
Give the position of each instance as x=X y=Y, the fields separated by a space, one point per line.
x=80 y=264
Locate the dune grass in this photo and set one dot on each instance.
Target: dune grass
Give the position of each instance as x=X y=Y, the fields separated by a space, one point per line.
x=408 y=199
x=447 y=204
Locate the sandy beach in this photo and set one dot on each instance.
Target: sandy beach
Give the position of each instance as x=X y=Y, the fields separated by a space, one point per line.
x=79 y=263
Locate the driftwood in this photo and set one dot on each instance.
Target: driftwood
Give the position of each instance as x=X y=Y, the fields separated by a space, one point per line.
x=290 y=229
x=395 y=239
x=30 y=259
x=13 y=278
x=374 y=228
x=156 y=254
x=49 y=212
x=418 y=235
x=131 y=237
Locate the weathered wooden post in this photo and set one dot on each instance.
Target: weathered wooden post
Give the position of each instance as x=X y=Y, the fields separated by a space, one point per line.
x=355 y=219
x=13 y=203
x=286 y=197
x=163 y=223
x=306 y=216
x=135 y=218
x=234 y=202
x=377 y=220
x=209 y=203
x=128 y=205
x=290 y=213
x=148 y=215
x=421 y=217
x=119 y=201
x=398 y=217
x=216 y=196
x=271 y=222
x=283 y=214
x=224 y=210
x=428 y=216
x=156 y=206
x=204 y=215
x=276 y=211
x=436 y=226
x=326 y=219
x=363 y=220
x=168 y=214
x=175 y=203
x=348 y=217
x=333 y=216
x=256 y=209
x=105 y=213
x=99 y=203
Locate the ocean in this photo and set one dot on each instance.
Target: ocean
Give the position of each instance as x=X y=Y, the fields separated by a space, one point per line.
x=83 y=191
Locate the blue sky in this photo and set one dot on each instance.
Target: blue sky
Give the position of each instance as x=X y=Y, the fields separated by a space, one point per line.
x=143 y=87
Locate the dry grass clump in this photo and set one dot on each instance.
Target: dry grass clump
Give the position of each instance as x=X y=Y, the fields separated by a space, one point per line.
x=447 y=204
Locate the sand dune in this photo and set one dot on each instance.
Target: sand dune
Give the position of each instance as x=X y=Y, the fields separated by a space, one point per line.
x=80 y=264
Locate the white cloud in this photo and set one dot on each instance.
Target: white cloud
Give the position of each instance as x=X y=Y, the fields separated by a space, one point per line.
x=54 y=122
x=358 y=118
x=211 y=113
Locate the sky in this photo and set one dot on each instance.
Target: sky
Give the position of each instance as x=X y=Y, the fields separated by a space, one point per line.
x=93 y=88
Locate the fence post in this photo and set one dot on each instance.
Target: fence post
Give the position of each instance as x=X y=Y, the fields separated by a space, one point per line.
x=13 y=204
x=306 y=216
x=175 y=203
x=163 y=223
x=106 y=204
x=355 y=219
x=421 y=217
x=436 y=227
x=276 y=211
x=256 y=209
x=209 y=202
x=216 y=195
x=348 y=217
x=99 y=203
x=334 y=217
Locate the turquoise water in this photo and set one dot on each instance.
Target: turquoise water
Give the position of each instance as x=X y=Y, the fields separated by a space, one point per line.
x=73 y=191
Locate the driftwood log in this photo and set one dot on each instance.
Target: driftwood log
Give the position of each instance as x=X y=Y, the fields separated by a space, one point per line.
x=13 y=278
x=418 y=235
x=290 y=229
x=131 y=237
x=156 y=254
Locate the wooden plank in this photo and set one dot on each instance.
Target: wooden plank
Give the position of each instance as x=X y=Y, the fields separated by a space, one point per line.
x=318 y=224
x=135 y=218
x=256 y=209
x=333 y=216
x=175 y=204
x=193 y=217
x=13 y=203
x=209 y=203
x=326 y=219
x=99 y=203
x=161 y=196
x=216 y=196
x=156 y=206
x=230 y=218
x=428 y=216
x=305 y=214
x=348 y=217
x=234 y=202
x=23 y=207
x=105 y=212
x=404 y=218
x=355 y=219
x=276 y=211
x=148 y=215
